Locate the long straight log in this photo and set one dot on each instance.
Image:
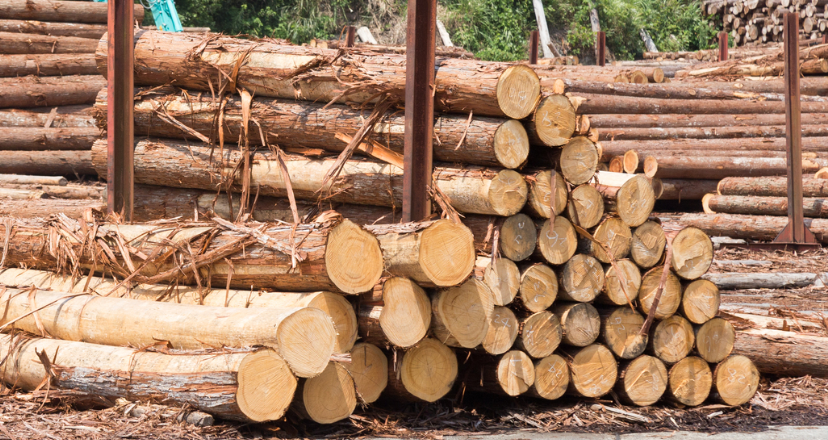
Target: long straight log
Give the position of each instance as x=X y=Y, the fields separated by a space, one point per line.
x=66 y=116
x=769 y=187
x=472 y=190
x=686 y=189
x=750 y=226
x=771 y=131
x=61 y=11
x=784 y=353
x=750 y=205
x=81 y=30
x=247 y=386
x=30 y=138
x=608 y=121
x=606 y=104
x=49 y=92
x=313 y=74
x=72 y=208
x=483 y=141
x=48 y=163
x=815 y=66
x=48 y=64
x=718 y=167
x=15 y=43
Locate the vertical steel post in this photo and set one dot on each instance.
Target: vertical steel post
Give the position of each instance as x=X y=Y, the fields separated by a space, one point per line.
x=602 y=49
x=119 y=133
x=723 y=46
x=419 y=108
x=534 y=39
x=350 y=36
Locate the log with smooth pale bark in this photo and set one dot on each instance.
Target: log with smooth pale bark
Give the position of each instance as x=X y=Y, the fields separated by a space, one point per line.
x=641 y=381
x=540 y=334
x=580 y=322
x=538 y=287
x=670 y=296
x=60 y=11
x=39 y=139
x=761 y=205
x=247 y=386
x=553 y=123
x=539 y=203
x=328 y=397
x=72 y=208
x=582 y=279
x=334 y=305
x=692 y=253
x=304 y=337
x=82 y=30
x=461 y=313
x=47 y=64
x=557 y=241
x=621 y=332
x=502 y=276
x=551 y=378
x=593 y=104
x=172 y=163
x=700 y=301
x=672 y=339
x=32 y=91
x=755 y=227
x=483 y=141
x=271 y=69
x=585 y=207
x=369 y=370
x=686 y=189
x=502 y=332
x=730 y=69
x=426 y=372
x=735 y=380
x=715 y=339
x=593 y=371
x=620 y=290
x=769 y=187
x=612 y=234
x=690 y=381
x=17 y=43
x=403 y=317
x=66 y=116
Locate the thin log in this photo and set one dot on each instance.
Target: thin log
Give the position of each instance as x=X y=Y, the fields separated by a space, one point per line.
x=753 y=227
x=66 y=116
x=716 y=204
x=61 y=11
x=686 y=189
x=683 y=120
x=16 y=43
x=58 y=64
x=76 y=209
x=51 y=163
x=769 y=187
x=81 y=30
x=50 y=92
x=591 y=104
x=37 y=139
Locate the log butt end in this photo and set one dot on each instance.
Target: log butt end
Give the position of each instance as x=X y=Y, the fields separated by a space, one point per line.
x=429 y=370
x=306 y=341
x=406 y=314
x=538 y=287
x=447 y=253
x=586 y=206
x=541 y=334
x=670 y=296
x=353 y=258
x=621 y=329
x=266 y=386
x=692 y=253
x=714 y=340
x=648 y=244
x=463 y=313
x=511 y=144
x=540 y=194
x=557 y=242
x=331 y=396
x=673 y=339
x=700 y=302
x=503 y=278
x=736 y=380
x=551 y=377
x=508 y=193
x=369 y=369
x=579 y=160
x=518 y=91
x=621 y=290
x=515 y=372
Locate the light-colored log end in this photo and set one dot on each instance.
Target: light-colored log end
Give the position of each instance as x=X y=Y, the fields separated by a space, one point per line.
x=306 y=341
x=331 y=396
x=461 y=313
x=630 y=162
x=502 y=332
x=511 y=144
x=650 y=167
x=621 y=288
x=557 y=241
x=700 y=301
x=508 y=193
x=690 y=381
x=580 y=322
x=551 y=377
x=585 y=207
x=672 y=339
x=541 y=333
x=344 y=319
x=822 y=173
x=429 y=370
x=714 y=340
x=582 y=279
x=643 y=381
x=518 y=91
x=555 y=120
x=369 y=369
x=635 y=201
x=266 y=386
x=692 y=253
x=670 y=296
x=622 y=332
x=406 y=312
x=353 y=258
x=503 y=278
x=614 y=235
x=736 y=380
x=447 y=252
x=648 y=244
x=538 y=287
x=593 y=370
x=540 y=194
x=515 y=372
x=579 y=160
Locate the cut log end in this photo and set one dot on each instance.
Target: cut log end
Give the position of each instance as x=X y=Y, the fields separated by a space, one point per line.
x=621 y=329
x=650 y=167
x=518 y=91
x=579 y=160
x=735 y=380
x=502 y=332
x=502 y=276
x=518 y=237
x=266 y=386
x=429 y=370
x=551 y=377
x=692 y=253
x=461 y=313
x=306 y=341
x=635 y=201
x=672 y=339
x=344 y=319
x=555 y=120
x=557 y=242
x=690 y=381
x=616 y=164
x=580 y=322
x=643 y=381
x=538 y=287
x=353 y=258
x=507 y=193
x=614 y=235
x=585 y=207
x=594 y=371
x=369 y=369
x=630 y=162
x=582 y=279
x=511 y=144
x=714 y=340
x=541 y=333
x=700 y=302
x=822 y=173
x=331 y=396
x=648 y=244
x=447 y=252
x=621 y=289
x=406 y=312
x=670 y=296
x=540 y=194
x=515 y=372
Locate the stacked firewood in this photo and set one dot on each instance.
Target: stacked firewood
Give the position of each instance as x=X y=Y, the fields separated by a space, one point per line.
x=752 y=22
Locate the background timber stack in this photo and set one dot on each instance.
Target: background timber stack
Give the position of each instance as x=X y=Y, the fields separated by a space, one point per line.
x=755 y=23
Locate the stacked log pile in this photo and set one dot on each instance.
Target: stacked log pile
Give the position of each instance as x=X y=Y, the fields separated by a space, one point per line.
x=758 y=22
x=41 y=196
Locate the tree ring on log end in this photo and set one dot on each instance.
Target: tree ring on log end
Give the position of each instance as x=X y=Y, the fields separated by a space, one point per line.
x=714 y=340
x=306 y=341
x=670 y=296
x=736 y=380
x=673 y=339
x=700 y=301
x=690 y=381
x=331 y=396
x=551 y=377
x=507 y=193
x=429 y=370
x=344 y=318
x=511 y=144
x=555 y=120
x=515 y=372
x=353 y=258
x=594 y=371
x=644 y=381
x=369 y=368
x=585 y=207
x=579 y=160
x=447 y=253
x=406 y=312
x=540 y=194
x=538 y=287
x=266 y=386
x=559 y=243
x=692 y=253
x=622 y=332
x=502 y=332
x=518 y=91
x=635 y=201
x=464 y=311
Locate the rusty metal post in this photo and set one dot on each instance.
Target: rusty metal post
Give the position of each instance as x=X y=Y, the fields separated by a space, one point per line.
x=723 y=46
x=350 y=36
x=602 y=49
x=534 y=39
x=119 y=132
x=419 y=108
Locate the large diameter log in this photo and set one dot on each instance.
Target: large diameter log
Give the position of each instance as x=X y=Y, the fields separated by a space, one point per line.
x=682 y=120
x=51 y=163
x=716 y=204
x=735 y=380
x=769 y=187
x=426 y=372
x=579 y=160
x=714 y=339
x=479 y=191
x=672 y=339
x=553 y=122
x=328 y=397
x=635 y=200
x=606 y=104
x=15 y=43
x=248 y=386
x=81 y=30
x=690 y=381
x=784 y=353
x=49 y=92
x=461 y=314
x=483 y=141
x=402 y=319
x=47 y=65
x=551 y=377
x=61 y=11
x=369 y=369
x=621 y=332
x=642 y=381
x=692 y=253
x=30 y=138
x=753 y=227
x=593 y=371
x=461 y=86
x=686 y=189
x=66 y=116
x=303 y=337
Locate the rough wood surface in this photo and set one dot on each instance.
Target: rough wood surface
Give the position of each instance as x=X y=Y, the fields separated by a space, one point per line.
x=328 y=397
x=690 y=381
x=642 y=381
x=17 y=43
x=461 y=314
x=503 y=330
x=700 y=301
x=754 y=227
x=580 y=322
x=784 y=353
x=620 y=289
x=401 y=319
x=593 y=104
x=538 y=287
x=47 y=64
x=369 y=369
x=761 y=205
x=76 y=209
x=593 y=371
x=51 y=163
x=65 y=116
x=540 y=334
x=82 y=30
x=557 y=241
x=621 y=332
x=582 y=279
x=426 y=372
x=39 y=139
x=670 y=296
x=735 y=380
x=551 y=377
x=672 y=339
x=769 y=187
x=648 y=244
x=714 y=340
x=61 y=11
x=33 y=91
x=686 y=189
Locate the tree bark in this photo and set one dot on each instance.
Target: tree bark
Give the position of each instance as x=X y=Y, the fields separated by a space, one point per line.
x=605 y=104
x=769 y=187
x=753 y=227
x=61 y=11
x=40 y=139
x=461 y=314
x=686 y=189
x=76 y=209
x=708 y=90
x=626 y=134
x=50 y=92
x=426 y=372
x=81 y=30
x=716 y=204
x=47 y=65
x=609 y=121
x=719 y=167
x=16 y=43
x=784 y=353
x=67 y=116
x=50 y=163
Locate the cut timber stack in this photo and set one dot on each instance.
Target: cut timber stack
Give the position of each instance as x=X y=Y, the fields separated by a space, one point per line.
x=755 y=24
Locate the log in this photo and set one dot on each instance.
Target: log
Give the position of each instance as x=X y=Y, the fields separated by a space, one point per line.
x=551 y=378
x=540 y=334
x=330 y=396
x=553 y=123
x=783 y=353
x=538 y=287
x=686 y=189
x=369 y=370
x=775 y=280
x=67 y=116
x=750 y=226
x=735 y=381
x=303 y=337
x=714 y=340
x=247 y=386
x=426 y=372
x=557 y=241
x=461 y=314
x=68 y=192
x=582 y=279
x=683 y=120
x=670 y=296
x=742 y=68
x=60 y=11
x=483 y=141
x=502 y=332
x=718 y=167
x=21 y=194
x=403 y=317
x=692 y=253
x=648 y=244
x=716 y=204
x=16 y=43
x=770 y=187
x=672 y=339
x=690 y=381
x=700 y=301
x=621 y=332
x=461 y=86
x=501 y=276
x=709 y=147
x=38 y=139
x=620 y=290
x=473 y=190
x=539 y=203
x=579 y=160
x=635 y=200
x=81 y=30
x=585 y=207
x=33 y=91
x=612 y=234
x=47 y=65
x=642 y=381
x=593 y=371
x=32 y=180
x=606 y=104
x=76 y=209
x=515 y=373
x=732 y=91
x=580 y=323
x=52 y=163
x=518 y=237
x=746 y=132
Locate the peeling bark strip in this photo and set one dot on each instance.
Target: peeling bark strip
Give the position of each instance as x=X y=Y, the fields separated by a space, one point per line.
x=247 y=386
x=323 y=75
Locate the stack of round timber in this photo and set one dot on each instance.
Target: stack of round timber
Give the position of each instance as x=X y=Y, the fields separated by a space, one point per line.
x=755 y=25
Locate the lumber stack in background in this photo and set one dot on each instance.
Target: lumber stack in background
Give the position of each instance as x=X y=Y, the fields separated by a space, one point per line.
x=756 y=24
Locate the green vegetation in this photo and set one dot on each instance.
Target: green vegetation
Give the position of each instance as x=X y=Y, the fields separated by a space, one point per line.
x=492 y=29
